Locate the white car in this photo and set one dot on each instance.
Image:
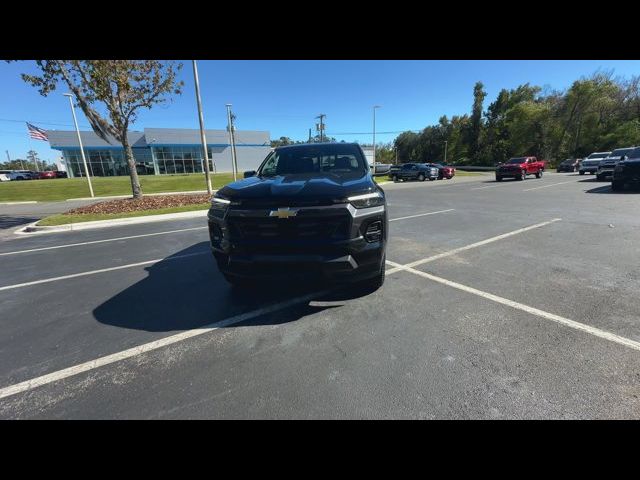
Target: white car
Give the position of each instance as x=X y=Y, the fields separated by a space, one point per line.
x=5 y=175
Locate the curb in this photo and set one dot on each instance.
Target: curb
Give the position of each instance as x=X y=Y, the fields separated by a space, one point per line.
x=18 y=203
x=115 y=197
x=33 y=229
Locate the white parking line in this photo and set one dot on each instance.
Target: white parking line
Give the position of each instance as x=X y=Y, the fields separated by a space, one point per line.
x=148 y=347
x=612 y=337
x=101 y=241
x=422 y=214
x=547 y=186
x=102 y=270
x=481 y=243
x=488 y=186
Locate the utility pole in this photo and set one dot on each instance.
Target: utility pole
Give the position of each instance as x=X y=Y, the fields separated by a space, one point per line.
x=396 y=155
x=374 y=138
x=202 y=135
x=84 y=159
x=445 y=151
x=234 y=165
x=321 y=126
x=309 y=135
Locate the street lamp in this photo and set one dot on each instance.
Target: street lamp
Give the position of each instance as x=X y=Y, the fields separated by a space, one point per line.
x=445 y=151
x=203 y=138
x=232 y=143
x=84 y=159
x=374 y=137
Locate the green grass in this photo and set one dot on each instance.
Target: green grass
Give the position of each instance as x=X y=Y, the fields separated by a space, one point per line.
x=64 y=188
x=64 y=219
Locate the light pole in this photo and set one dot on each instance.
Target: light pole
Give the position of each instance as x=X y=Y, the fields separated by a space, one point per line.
x=84 y=159
x=234 y=165
x=202 y=135
x=321 y=128
x=374 y=138
x=445 y=151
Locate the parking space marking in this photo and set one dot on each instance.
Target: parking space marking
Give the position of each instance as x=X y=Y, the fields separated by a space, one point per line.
x=101 y=241
x=612 y=337
x=150 y=346
x=102 y=270
x=422 y=214
x=481 y=243
x=547 y=186
x=488 y=186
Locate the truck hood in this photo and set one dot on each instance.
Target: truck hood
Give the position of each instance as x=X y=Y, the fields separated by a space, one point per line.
x=299 y=187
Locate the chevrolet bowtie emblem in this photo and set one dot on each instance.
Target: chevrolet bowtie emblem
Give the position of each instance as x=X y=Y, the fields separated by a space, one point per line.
x=283 y=213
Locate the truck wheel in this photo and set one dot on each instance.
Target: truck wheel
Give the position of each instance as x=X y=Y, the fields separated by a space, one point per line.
x=394 y=178
x=498 y=179
x=581 y=172
x=523 y=175
x=617 y=186
x=421 y=178
x=539 y=174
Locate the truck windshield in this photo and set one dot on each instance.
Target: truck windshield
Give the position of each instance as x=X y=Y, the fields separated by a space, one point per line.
x=322 y=159
x=517 y=160
x=621 y=151
x=597 y=155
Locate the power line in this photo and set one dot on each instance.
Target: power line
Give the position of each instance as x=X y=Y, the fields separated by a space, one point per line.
x=42 y=123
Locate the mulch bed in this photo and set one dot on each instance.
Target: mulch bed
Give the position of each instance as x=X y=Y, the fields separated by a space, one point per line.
x=125 y=205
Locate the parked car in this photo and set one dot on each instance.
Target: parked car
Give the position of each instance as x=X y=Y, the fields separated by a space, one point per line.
x=415 y=171
x=519 y=167
x=47 y=174
x=590 y=164
x=606 y=167
x=61 y=174
x=627 y=171
x=309 y=210
x=569 y=165
x=23 y=175
x=381 y=169
x=5 y=175
x=444 y=171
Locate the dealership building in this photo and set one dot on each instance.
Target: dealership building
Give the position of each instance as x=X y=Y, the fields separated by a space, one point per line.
x=160 y=151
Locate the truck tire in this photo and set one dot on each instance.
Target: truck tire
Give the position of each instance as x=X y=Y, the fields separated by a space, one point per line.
x=523 y=175
x=498 y=179
x=539 y=174
x=421 y=178
x=581 y=172
x=394 y=178
x=617 y=186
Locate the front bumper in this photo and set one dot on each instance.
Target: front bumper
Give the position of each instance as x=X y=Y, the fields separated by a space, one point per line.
x=589 y=169
x=322 y=241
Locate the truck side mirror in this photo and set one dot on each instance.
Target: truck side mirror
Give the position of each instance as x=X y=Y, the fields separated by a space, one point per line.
x=249 y=173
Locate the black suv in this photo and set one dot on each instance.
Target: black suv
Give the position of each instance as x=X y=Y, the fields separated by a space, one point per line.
x=627 y=172
x=310 y=209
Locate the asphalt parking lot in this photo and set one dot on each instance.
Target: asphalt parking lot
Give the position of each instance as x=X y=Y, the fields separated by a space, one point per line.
x=502 y=300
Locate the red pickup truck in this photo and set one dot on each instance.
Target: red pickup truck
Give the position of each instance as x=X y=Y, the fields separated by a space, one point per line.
x=519 y=168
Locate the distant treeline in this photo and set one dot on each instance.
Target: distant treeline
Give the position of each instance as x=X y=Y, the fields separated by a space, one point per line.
x=598 y=113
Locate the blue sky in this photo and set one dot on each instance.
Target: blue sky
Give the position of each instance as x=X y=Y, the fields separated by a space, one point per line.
x=283 y=97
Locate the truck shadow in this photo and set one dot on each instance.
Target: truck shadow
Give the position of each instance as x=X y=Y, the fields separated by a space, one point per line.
x=186 y=291
x=607 y=189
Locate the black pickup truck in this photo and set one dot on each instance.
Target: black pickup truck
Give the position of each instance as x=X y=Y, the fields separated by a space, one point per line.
x=309 y=210
x=414 y=171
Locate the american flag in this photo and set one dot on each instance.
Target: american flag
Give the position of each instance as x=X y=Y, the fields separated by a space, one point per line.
x=37 y=133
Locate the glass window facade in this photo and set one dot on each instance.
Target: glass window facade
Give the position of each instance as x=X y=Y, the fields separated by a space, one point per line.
x=111 y=162
x=108 y=162
x=180 y=159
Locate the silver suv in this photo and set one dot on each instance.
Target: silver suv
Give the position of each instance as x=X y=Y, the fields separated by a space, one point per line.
x=606 y=167
x=590 y=164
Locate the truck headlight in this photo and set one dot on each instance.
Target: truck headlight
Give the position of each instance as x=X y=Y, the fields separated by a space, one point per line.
x=366 y=200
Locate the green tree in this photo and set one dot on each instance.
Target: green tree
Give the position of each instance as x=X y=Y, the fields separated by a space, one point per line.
x=121 y=87
x=475 y=130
